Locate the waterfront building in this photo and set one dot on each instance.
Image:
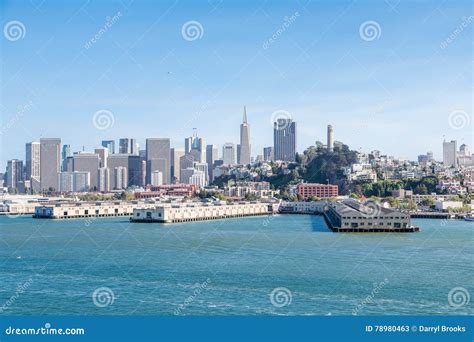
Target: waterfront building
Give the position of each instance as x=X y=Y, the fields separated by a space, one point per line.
x=450 y=153
x=65 y=153
x=284 y=139
x=228 y=153
x=128 y=146
x=268 y=154
x=14 y=173
x=103 y=154
x=174 y=190
x=330 y=138
x=158 y=158
x=104 y=179
x=110 y=145
x=171 y=213
x=32 y=160
x=175 y=155
x=308 y=190
x=50 y=163
x=245 y=147
x=156 y=178
x=353 y=216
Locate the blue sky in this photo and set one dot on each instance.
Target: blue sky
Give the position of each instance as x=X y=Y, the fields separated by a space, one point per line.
x=394 y=93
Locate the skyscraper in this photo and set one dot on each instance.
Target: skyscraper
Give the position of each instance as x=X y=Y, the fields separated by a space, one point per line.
x=158 y=158
x=50 y=163
x=104 y=179
x=196 y=144
x=244 y=151
x=330 y=137
x=268 y=153
x=175 y=155
x=449 y=153
x=211 y=156
x=284 y=139
x=132 y=167
x=228 y=153
x=65 y=152
x=14 y=173
x=32 y=160
x=110 y=145
x=128 y=145
x=87 y=162
x=103 y=153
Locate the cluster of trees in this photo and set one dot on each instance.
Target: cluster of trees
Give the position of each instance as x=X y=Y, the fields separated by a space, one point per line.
x=384 y=188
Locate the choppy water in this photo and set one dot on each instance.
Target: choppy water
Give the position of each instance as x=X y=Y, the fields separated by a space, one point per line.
x=230 y=267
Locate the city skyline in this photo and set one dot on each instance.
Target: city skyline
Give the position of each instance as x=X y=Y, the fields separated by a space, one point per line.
x=56 y=80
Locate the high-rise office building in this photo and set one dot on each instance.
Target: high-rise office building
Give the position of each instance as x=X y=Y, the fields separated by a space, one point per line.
x=77 y=181
x=158 y=158
x=268 y=153
x=330 y=138
x=175 y=155
x=185 y=162
x=87 y=162
x=128 y=146
x=14 y=173
x=120 y=178
x=211 y=155
x=464 y=150
x=245 y=148
x=65 y=153
x=449 y=153
x=32 y=160
x=156 y=178
x=228 y=153
x=103 y=154
x=110 y=145
x=196 y=146
x=284 y=139
x=103 y=179
x=50 y=163
x=132 y=165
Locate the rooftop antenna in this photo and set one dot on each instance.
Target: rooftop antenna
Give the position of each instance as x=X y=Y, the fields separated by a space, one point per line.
x=194 y=132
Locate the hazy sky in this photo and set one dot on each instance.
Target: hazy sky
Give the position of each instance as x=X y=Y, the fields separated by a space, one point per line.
x=392 y=88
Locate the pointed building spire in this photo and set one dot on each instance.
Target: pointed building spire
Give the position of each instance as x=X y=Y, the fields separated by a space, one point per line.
x=245 y=115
